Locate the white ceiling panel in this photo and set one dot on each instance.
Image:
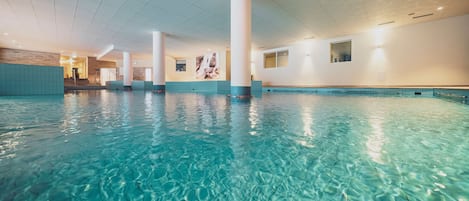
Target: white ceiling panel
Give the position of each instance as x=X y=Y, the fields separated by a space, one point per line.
x=87 y=26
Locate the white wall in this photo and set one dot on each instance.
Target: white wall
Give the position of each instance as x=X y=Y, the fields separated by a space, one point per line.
x=433 y=53
x=189 y=75
x=172 y=74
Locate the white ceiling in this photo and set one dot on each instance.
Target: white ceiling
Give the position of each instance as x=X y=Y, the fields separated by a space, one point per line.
x=193 y=26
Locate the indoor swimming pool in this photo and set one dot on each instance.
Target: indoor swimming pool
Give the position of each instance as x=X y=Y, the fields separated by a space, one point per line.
x=103 y=145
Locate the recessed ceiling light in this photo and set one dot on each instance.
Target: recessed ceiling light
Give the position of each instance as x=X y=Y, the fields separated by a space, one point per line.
x=440 y=8
x=5 y=33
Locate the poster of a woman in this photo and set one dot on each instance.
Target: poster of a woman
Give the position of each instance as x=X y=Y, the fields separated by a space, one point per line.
x=207 y=66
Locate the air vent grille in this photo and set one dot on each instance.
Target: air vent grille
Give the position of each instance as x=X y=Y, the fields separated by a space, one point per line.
x=384 y=23
x=420 y=16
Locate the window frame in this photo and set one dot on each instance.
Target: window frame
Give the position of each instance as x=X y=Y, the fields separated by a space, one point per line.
x=276 y=52
x=331 y=60
x=185 y=65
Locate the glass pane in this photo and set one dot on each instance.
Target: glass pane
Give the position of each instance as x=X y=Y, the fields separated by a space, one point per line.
x=282 y=58
x=78 y=63
x=341 y=52
x=180 y=65
x=270 y=60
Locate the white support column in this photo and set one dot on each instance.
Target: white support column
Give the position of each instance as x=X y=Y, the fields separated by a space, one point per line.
x=240 y=48
x=128 y=69
x=159 y=61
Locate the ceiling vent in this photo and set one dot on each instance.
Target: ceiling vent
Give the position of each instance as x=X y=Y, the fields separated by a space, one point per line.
x=384 y=23
x=420 y=16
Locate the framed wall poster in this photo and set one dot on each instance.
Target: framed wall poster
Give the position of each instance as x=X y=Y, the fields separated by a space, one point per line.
x=180 y=65
x=207 y=66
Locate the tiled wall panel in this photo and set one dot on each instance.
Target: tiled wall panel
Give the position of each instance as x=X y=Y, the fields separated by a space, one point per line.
x=23 y=80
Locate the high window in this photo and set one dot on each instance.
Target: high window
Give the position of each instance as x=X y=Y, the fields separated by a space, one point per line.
x=341 y=51
x=275 y=59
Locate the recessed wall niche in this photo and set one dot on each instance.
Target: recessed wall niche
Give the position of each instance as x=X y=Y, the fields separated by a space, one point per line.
x=341 y=51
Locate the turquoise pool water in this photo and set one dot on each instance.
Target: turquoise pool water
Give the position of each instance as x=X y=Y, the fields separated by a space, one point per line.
x=145 y=146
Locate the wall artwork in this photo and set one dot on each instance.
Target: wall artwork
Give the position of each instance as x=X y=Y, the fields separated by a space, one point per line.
x=180 y=65
x=207 y=67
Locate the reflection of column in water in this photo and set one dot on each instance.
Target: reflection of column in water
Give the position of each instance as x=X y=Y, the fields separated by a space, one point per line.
x=148 y=105
x=107 y=105
x=180 y=111
x=71 y=114
x=126 y=109
x=158 y=118
x=207 y=112
x=253 y=117
x=240 y=127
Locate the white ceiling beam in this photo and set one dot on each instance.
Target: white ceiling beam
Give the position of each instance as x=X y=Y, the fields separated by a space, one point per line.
x=103 y=53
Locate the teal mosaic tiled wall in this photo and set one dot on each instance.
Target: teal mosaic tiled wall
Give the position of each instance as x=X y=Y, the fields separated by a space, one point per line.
x=25 y=80
x=458 y=95
x=220 y=87
x=426 y=92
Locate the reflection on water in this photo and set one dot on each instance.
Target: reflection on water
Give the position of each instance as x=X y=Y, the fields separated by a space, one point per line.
x=253 y=117
x=137 y=145
x=376 y=140
x=307 y=118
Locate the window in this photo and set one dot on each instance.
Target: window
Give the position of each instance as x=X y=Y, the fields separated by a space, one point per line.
x=180 y=65
x=77 y=64
x=276 y=59
x=341 y=52
x=147 y=74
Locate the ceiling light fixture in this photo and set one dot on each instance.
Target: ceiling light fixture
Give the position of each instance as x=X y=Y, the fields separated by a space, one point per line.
x=440 y=8
x=5 y=33
x=13 y=41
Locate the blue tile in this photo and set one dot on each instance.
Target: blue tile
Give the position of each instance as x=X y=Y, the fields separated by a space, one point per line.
x=17 y=79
